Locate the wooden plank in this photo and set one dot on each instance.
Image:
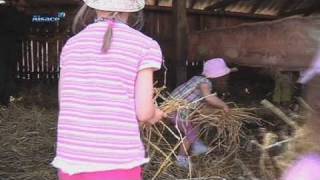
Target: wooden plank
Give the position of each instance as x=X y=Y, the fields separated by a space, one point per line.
x=32 y=59
x=157 y=2
x=192 y=3
x=28 y=64
x=256 y=6
x=57 y=59
x=262 y=44
x=37 y=3
x=285 y=5
x=221 y=5
x=214 y=13
x=19 y=62
x=306 y=11
x=38 y=62
x=74 y=4
x=24 y=59
x=316 y=8
x=47 y=59
x=181 y=26
x=42 y=67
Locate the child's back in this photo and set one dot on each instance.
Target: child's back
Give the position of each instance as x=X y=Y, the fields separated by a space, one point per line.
x=98 y=128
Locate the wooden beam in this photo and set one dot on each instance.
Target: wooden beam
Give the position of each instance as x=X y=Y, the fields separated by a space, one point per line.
x=54 y=3
x=157 y=2
x=285 y=5
x=205 y=12
x=316 y=5
x=306 y=11
x=221 y=5
x=193 y=2
x=202 y=46
x=256 y=6
x=181 y=40
x=77 y=3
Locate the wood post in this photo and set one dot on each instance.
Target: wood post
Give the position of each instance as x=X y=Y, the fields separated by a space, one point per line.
x=181 y=40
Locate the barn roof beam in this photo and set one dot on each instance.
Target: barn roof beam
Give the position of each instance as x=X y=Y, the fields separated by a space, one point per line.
x=256 y=6
x=315 y=6
x=54 y=3
x=221 y=5
x=305 y=11
x=193 y=2
x=224 y=13
x=285 y=5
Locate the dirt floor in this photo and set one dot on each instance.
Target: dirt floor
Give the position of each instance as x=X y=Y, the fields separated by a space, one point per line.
x=28 y=136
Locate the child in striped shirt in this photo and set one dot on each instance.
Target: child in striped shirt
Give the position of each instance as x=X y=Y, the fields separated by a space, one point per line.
x=105 y=89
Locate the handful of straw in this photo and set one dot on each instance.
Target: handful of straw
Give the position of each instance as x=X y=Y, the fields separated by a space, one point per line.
x=223 y=130
x=217 y=128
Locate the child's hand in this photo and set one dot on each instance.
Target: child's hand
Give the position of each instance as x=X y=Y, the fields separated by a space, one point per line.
x=226 y=109
x=158 y=115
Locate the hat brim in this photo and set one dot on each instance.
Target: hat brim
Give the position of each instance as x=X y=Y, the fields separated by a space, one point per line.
x=218 y=74
x=98 y=5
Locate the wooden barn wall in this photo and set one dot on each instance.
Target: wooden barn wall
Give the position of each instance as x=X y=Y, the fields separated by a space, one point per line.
x=159 y=25
x=41 y=48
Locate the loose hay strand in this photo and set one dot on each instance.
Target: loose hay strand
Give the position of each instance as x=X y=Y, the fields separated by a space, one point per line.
x=228 y=127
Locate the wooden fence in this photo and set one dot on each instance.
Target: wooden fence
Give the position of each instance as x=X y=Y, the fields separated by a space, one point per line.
x=40 y=59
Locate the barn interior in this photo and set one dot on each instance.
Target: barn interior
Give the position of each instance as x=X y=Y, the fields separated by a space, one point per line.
x=270 y=42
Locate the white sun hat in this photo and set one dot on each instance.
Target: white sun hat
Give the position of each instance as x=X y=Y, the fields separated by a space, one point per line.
x=116 y=5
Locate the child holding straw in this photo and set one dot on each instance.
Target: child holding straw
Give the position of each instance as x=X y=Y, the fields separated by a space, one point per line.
x=199 y=87
x=105 y=89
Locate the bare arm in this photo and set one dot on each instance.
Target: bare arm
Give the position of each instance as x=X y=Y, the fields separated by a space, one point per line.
x=145 y=107
x=213 y=100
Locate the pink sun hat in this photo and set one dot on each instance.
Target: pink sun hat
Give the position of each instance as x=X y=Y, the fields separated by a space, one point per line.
x=215 y=68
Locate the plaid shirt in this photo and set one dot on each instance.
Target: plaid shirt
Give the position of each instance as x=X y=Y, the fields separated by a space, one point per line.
x=190 y=90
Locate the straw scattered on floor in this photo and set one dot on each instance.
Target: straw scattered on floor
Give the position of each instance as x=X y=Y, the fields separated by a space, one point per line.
x=27 y=139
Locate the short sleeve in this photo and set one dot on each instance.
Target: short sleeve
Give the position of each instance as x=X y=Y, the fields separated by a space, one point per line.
x=61 y=60
x=63 y=53
x=206 y=81
x=152 y=57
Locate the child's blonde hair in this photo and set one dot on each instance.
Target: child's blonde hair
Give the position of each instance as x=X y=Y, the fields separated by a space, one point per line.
x=86 y=15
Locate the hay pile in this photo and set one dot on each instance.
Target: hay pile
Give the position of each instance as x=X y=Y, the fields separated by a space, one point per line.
x=27 y=139
x=222 y=132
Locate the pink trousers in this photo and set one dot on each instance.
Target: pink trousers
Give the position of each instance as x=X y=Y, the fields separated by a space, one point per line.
x=131 y=174
x=187 y=128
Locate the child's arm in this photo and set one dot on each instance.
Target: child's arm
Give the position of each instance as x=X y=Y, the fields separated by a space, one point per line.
x=213 y=100
x=145 y=107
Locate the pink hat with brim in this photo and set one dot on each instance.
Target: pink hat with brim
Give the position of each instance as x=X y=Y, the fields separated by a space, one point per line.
x=215 y=68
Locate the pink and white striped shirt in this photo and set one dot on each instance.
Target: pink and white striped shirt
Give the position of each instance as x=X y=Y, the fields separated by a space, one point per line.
x=98 y=128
